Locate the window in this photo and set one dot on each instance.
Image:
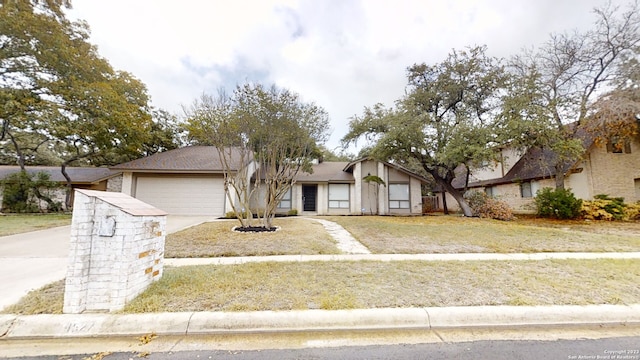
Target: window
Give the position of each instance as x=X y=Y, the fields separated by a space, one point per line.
x=285 y=202
x=618 y=146
x=399 y=196
x=490 y=191
x=525 y=190
x=339 y=196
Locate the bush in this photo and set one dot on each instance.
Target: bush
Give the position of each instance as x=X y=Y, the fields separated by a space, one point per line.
x=603 y=207
x=557 y=203
x=486 y=207
x=292 y=212
x=632 y=211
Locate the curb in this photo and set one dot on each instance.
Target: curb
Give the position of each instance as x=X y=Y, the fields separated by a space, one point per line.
x=14 y=327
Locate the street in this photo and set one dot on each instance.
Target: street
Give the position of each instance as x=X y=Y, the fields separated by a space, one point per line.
x=608 y=348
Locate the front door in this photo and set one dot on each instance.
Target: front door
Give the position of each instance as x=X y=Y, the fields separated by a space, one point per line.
x=309 y=197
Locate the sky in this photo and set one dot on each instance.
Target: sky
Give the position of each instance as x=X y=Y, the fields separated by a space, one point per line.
x=342 y=55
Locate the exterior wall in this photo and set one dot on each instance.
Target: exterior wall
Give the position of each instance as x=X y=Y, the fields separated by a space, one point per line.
x=415 y=194
x=615 y=174
x=113 y=256
x=495 y=170
x=368 y=193
x=114 y=184
x=127 y=183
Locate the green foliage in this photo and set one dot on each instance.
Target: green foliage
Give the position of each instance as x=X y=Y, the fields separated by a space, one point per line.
x=443 y=122
x=487 y=207
x=603 y=207
x=21 y=192
x=292 y=212
x=557 y=203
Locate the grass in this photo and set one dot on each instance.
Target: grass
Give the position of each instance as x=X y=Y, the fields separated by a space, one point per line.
x=215 y=239
x=369 y=284
x=455 y=234
x=19 y=223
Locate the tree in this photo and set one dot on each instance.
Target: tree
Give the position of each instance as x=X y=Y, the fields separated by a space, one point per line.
x=58 y=92
x=376 y=182
x=445 y=122
x=271 y=128
x=559 y=86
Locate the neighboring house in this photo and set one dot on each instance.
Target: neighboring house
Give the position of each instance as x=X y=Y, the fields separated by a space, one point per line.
x=189 y=181
x=90 y=178
x=612 y=169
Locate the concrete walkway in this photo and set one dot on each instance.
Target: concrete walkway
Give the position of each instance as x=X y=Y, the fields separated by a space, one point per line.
x=345 y=242
x=398 y=257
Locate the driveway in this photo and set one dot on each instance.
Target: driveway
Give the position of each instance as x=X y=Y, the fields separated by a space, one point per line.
x=31 y=260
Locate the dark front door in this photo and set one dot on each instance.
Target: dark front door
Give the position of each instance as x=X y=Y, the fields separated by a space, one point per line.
x=309 y=197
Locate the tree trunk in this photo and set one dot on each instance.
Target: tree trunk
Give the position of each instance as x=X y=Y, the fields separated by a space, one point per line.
x=445 y=208
x=67 y=199
x=458 y=195
x=559 y=176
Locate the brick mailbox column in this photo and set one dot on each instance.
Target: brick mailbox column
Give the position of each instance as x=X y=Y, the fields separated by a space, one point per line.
x=116 y=251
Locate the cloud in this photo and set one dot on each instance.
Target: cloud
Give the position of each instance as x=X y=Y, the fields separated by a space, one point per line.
x=341 y=54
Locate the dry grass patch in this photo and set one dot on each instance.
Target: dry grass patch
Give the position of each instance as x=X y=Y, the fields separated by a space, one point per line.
x=456 y=234
x=370 y=284
x=16 y=224
x=46 y=300
x=215 y=239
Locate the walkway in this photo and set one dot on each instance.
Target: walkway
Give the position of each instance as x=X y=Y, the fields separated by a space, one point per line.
x=399 y=257
x=345 y=242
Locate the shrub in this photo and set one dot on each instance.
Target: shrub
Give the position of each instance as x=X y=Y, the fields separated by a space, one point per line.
x=292 y=212
x=557 y=203
x=632 y=211
x=603 y=207
x=487 y=207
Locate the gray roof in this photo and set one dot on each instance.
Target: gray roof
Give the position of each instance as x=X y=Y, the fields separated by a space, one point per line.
x=78 y=175
x=191 y=159
x=329 y=171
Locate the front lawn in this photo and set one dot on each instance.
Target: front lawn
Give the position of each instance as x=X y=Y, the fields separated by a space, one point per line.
x=21 y=223
x=213 y=239
x=456 y=234
x=371 y=284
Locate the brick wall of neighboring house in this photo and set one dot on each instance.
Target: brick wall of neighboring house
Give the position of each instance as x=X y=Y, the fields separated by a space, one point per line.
x=115 y=184
x=615 y=174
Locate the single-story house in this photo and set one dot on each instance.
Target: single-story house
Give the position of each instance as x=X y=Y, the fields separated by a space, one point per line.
x=612 y=169
x=189 y=181
x=90 y=178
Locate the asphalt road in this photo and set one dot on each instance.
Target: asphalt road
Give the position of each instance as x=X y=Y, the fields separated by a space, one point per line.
x=623 y=348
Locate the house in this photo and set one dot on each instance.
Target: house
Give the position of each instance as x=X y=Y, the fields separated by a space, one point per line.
x=89 y=178
x=190 y=181
x=612 y=169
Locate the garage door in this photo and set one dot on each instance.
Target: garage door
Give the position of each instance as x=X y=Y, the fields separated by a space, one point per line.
x=183 y=195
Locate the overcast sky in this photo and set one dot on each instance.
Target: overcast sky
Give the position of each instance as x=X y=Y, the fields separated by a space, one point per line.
x=341 y=54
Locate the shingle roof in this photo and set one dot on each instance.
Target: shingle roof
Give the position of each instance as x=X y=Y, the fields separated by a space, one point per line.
x=193 y=159
x=535 y=164
x=400 y=168
x=329 y=171
x=78 y=175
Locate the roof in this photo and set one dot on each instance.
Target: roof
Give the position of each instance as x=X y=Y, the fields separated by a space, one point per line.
x=329 y=171
x=78 y=175
x=536 y=163
x=191 y=159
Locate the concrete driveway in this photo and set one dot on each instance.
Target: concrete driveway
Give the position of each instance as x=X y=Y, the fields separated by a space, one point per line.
x=31 y=260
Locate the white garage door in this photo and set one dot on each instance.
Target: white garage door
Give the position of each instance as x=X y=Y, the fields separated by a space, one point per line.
x=183 y=195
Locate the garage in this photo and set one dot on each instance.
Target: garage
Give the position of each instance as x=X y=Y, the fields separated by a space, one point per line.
x=183 y=195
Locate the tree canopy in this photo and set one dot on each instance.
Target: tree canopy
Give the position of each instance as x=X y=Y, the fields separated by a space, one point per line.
x=61 y=98
x=266 y=127
x=444 y=122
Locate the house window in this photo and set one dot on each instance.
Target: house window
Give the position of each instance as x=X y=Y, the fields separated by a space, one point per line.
x=339 y=196
x=525 y=190
x=490 y=191
x=619 y=146
x=285 y=202
x=399 y=196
